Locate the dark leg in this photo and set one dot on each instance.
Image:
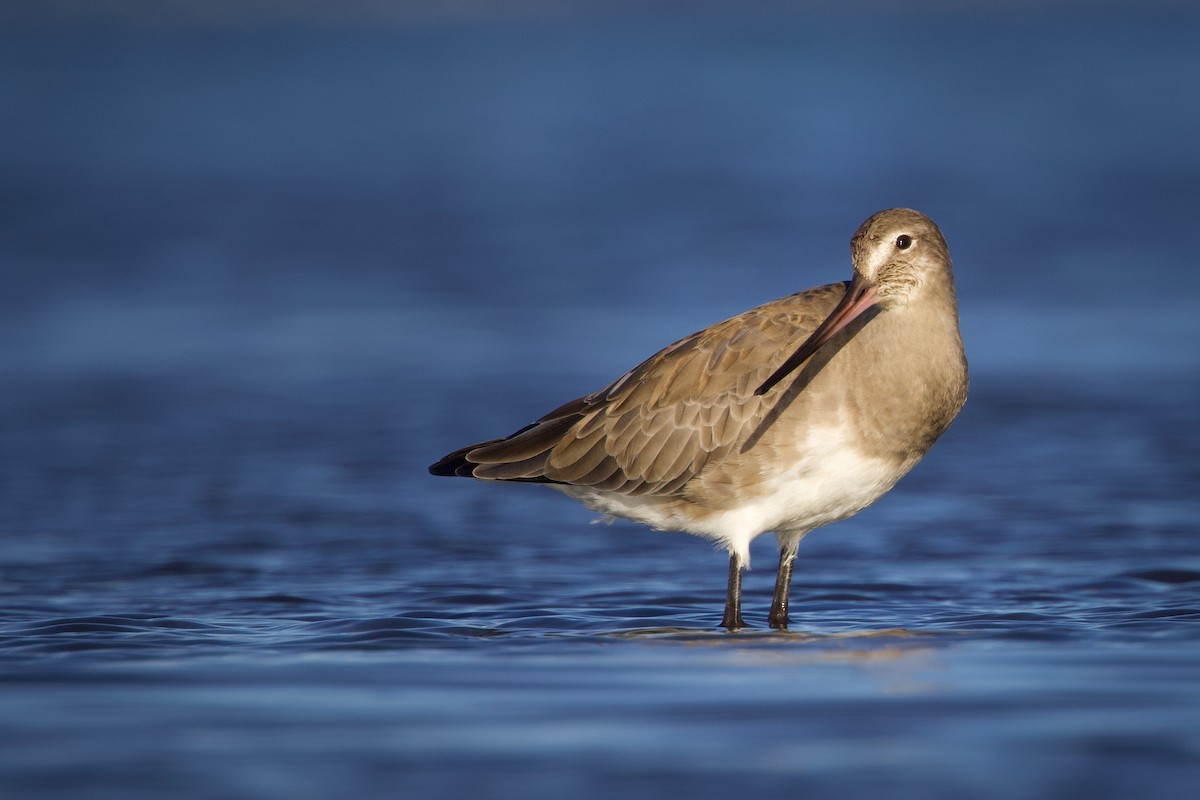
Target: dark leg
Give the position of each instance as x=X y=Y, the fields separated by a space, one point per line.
x=733 y=596
x=783 y=583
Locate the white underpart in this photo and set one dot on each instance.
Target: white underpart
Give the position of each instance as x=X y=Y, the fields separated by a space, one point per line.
x=834 y=481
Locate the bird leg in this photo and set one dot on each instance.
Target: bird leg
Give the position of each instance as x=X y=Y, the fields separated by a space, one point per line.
x=733 y=596
x=778 y=617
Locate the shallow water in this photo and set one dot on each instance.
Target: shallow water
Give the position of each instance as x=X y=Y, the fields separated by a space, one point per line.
x=257 y=280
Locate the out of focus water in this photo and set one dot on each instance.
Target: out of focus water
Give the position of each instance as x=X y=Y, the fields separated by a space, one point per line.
x=256 y=278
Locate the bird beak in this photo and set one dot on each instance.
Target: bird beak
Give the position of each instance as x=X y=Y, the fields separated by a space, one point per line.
x=858 y=298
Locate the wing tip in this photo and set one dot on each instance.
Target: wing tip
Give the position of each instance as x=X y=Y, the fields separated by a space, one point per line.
x=519 y=457
x=454 y=465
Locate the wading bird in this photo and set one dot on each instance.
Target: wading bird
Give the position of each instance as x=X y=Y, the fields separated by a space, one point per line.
x=787 y=417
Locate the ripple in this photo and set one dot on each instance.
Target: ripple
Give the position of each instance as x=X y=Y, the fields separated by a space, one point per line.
x=1169 y=576
x=1169 y=613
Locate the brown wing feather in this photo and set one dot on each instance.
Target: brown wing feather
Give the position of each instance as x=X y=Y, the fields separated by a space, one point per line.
x=657 y=426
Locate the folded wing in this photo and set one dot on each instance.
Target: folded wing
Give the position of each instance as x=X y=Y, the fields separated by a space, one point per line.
x=657 y=426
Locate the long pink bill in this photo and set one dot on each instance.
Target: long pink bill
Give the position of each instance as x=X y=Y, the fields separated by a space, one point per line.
x=858 y=298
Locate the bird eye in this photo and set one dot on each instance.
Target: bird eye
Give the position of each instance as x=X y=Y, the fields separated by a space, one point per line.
x=904 y=241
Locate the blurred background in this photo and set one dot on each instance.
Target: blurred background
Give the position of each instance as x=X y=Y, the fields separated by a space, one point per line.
x=264 y=261
x=299 y=179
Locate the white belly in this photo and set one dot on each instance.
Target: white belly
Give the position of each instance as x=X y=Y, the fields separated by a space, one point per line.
x=828 y=480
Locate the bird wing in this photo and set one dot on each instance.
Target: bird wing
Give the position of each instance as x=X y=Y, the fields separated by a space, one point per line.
x=658 y=425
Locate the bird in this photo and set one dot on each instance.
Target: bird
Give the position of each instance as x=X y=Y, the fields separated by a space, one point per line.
x=790 y=416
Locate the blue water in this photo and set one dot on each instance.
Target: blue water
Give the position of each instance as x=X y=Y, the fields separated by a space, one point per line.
x=257 y=277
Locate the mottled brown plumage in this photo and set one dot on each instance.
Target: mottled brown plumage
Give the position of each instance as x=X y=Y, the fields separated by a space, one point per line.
x=789 y=416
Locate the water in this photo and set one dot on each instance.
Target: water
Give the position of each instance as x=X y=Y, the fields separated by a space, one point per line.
x=257 y=278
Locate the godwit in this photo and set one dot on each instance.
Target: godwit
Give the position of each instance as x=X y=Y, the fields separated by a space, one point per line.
x=734 y=431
